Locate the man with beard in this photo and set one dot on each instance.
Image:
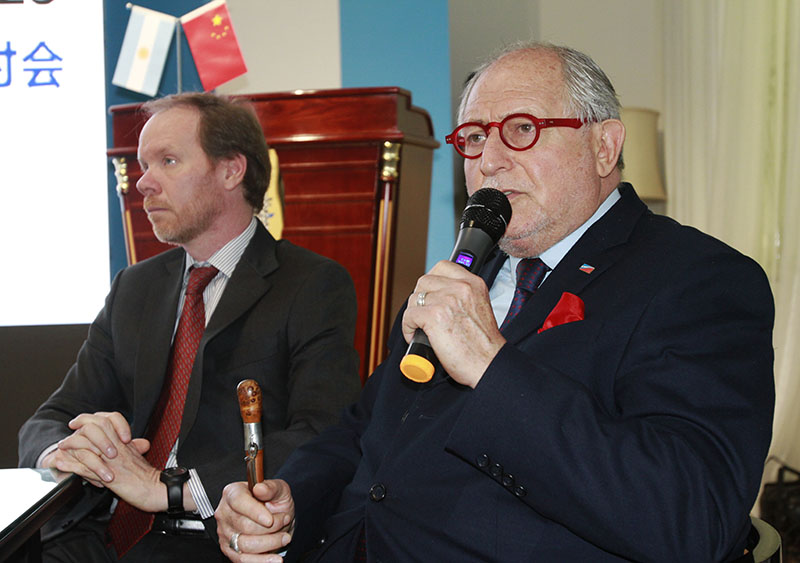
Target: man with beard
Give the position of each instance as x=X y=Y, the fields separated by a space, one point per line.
x=148 y=414
x=620 y=411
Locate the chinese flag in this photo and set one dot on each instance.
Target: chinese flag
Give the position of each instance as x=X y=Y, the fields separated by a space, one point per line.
x=213 y=43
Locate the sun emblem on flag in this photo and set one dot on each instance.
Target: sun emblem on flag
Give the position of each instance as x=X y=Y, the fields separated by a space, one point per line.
x=143 y=53
x=216 y=21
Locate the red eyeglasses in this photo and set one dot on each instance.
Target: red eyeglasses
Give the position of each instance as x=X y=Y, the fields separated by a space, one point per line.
x=518 y=131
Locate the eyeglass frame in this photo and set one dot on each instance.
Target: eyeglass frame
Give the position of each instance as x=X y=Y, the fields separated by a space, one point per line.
x=539 y=122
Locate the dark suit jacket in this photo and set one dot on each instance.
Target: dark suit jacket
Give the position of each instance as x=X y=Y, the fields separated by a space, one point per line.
x=285 y=319
x=638 y=433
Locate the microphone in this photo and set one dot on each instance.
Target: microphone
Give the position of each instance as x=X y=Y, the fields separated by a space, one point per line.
x=249 y=394
x=483 y=222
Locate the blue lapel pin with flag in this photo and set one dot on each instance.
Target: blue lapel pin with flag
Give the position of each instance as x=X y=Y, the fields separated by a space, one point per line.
x=586 y=269
x=144 y=50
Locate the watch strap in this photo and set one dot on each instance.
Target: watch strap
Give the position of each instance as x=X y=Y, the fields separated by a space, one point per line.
x=174 y=481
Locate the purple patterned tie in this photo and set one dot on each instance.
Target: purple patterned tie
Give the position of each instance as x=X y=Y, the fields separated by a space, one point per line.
x=129 y=524
x=529 y=275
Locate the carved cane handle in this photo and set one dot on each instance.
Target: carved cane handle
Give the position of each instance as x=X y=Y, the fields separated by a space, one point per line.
x=249 y=394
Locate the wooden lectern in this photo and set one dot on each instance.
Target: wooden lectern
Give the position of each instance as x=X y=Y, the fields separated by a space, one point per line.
x=356 y=170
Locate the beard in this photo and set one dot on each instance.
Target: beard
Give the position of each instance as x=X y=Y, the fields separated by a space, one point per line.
x=529 y=235
x=184 y=226
x=535 y=228
x=539 y=234
x=523 y=245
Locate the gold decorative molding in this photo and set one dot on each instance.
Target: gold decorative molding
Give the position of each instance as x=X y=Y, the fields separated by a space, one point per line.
x=121 y=173
x=389 y=161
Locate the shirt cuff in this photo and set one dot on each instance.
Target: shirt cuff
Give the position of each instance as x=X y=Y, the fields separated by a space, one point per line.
x=44 y=454
x=199 y=495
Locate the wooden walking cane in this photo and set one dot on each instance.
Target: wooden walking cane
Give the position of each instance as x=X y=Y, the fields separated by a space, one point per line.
x=249 y=394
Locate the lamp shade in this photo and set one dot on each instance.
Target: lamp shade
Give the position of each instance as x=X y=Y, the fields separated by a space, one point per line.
x=642 y=167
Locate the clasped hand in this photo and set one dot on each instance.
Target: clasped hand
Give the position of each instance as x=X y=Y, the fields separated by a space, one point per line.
x=102 y=451
x=458 y=320
x=263 y=520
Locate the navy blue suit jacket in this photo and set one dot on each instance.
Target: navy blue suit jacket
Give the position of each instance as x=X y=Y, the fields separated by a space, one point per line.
x=638 y=433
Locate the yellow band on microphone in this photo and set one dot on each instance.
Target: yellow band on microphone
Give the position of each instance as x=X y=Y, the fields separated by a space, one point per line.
x=416 y=368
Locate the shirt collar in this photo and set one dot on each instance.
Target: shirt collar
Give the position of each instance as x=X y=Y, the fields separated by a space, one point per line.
x=553 y=255
x=226 y=258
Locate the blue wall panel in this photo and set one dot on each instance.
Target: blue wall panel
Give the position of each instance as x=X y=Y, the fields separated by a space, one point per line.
x=406 y=44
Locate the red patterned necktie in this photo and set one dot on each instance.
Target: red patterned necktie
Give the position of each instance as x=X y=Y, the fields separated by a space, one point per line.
x=529 y=275
x=129 y=524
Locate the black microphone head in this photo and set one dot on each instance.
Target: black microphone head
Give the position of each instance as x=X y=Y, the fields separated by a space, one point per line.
x=489 y=210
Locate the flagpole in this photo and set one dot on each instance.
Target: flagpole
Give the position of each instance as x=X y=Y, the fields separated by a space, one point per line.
x=178 y=49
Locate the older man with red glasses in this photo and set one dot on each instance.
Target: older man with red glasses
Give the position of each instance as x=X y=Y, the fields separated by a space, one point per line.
x=625 y=412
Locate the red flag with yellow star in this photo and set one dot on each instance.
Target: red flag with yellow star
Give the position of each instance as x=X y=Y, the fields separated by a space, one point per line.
x=213 y=43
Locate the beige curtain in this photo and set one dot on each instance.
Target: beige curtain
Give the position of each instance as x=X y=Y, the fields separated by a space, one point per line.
x=732 y=156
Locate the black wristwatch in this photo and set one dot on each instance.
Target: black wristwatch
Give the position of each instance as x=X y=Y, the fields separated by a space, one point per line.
x=174 y=478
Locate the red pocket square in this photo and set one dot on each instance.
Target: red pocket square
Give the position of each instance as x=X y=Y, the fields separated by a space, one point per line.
x=568 y=309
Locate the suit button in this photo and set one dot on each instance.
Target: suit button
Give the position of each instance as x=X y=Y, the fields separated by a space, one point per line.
x=520 y=491
x=482 y=461
x=496 y=470
x=377 y=492
x=508 y=480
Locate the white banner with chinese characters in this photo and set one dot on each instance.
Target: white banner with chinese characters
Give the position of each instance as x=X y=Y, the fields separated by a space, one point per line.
x=53 y=168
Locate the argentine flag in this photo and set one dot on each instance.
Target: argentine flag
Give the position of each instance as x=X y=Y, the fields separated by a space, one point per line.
x=144 y=50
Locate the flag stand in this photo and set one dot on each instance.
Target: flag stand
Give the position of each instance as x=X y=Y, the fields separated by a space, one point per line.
x=178 y=52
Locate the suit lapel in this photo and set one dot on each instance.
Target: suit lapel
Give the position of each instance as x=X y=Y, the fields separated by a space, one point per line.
x=598 y=248
x=249 y=282
x=494 y=262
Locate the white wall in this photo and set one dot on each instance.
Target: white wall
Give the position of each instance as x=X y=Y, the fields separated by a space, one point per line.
x=478 y=29
x=623 y=36
x=288 y=45
x=297 y=44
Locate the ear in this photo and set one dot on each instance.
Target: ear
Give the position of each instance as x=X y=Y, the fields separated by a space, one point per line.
x=232 y=170
x=610 y=137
